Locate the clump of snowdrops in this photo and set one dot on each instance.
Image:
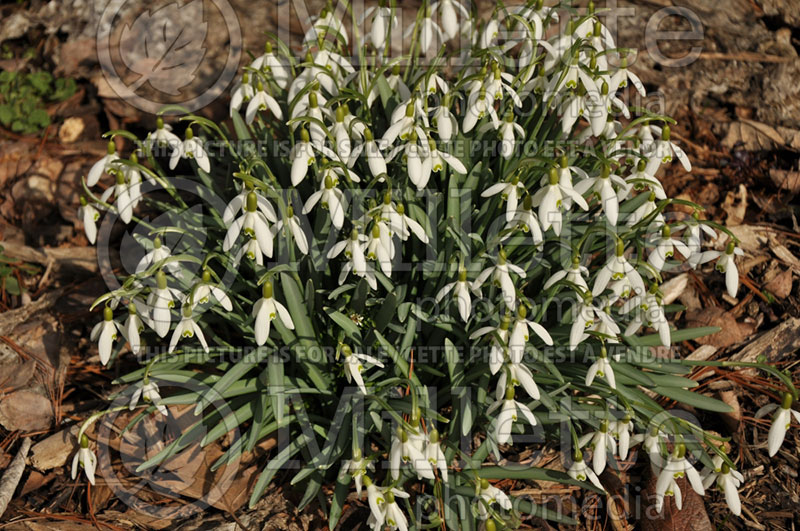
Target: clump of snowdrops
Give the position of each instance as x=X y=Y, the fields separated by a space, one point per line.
x=425 y=257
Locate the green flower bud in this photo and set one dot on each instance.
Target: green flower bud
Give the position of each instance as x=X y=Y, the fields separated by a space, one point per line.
x=108 y=314
x=266 y=290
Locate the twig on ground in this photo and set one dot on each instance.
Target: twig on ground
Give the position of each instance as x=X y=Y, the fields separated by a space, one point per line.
x=13 y=474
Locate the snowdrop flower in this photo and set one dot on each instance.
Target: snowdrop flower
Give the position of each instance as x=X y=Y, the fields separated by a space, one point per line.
x=353 y=248
x=509 y=131
x=382 y=20
x=501 y=277
x=293 y=223
x=525 y=219
x=302 y=156
x=162 y=136
x=618 y=268
x=393 y=515
x=664 y=149
x=408 y=449
x=403 y=125
x=574 y=274
x=728 y=481
x=161 y=301
x=261 y=101
x=132 y=327
x=580 y=471
x=89 y=216
x=781 y=422
x=281 y=73
x=190 y=148
x=372 y=152
x=499 y=335
x=429 y=33
x=158 y=253
x=435 y=455
x=357 y=467
x=242 y=93
x=651 y=313
x=603 y=186
x=549 y=200
x=602 y=368
x=640 y=180
x=644 y=211
x=354 y=365
x=238 y=203
x=253 y=222
x=449 y=11
x=327 y=21
x=187 y=327
x=622 y=76
x=601 y=442
x=478 y=106
x=489 y=495
x=149 y=393
x=585 y=314
x=510 y=192
x=517 y=374
x=520 y=334
x=418 y=161
x=488 y=37
x=665 y=249
x=693 y=237
x=621 y=430
x=676 y=467
x=725 y=264
x=317 y=114
x=205 y=288
x=404 y=226
x=446 y=124
x=85 y=459
x=461 y=289
x=104 y=165
x=509 y=408
x=105 y=333
x=266 y=310
x=396 y=83
x=380 y=247
x=122 y=196
x=438 y=159
x=331 y=198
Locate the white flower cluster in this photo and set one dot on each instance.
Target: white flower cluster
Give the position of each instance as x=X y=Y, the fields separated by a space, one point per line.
x=360 y=120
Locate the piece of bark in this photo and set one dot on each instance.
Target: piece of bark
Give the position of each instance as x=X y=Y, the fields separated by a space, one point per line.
x=55 y=451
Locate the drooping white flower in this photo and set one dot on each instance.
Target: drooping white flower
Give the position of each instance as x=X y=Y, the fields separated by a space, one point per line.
x=148 y=392
x=581 y=471
x=253 y=222
x=461 y=289
x=520 y=334
x=525 y=219
x=354 y=365
x=446 y=124
x=104 y=165
x=549 y=200
x=622 y=430
x=601 y=442
x=478 y=106
x=408 y=449
x=725 y=264
x=781 y=421
x=509 y=408
x=404 y=225
x=89 y=215
x=382 y=20
x=121 y=191
x=728 y=481
x=574 y=274
x=404 y=122
x=618 y=268
x=161 y=300
x=676 y=467
x=664 y=149
x=158 y=253
x=500 y=274
x=357 y=467
x=105 y=333
x=132 y=328
x=622 y=76
x=261 y=101
x=190 y=148
x=242 y=93
x=665 y=248
x=85 y=459
x=353 y=248
x=644 y=211
x=237 y=206
x=584 y=315
x=510 y=192
x=490 y=495
x=162 y=136
x=429 y=33
x=439 y=158
x=693 y=237
x=499 y=335
x=449 y=11
x=206 y=289
x=372 y=152
x=393 y=515
x=651 y=312
x=280 y=71
x=435 y=455
x=187 y=327
x=603 y=186
x=641 y=180
x=327 y=22
x=266 y=310
x=602 y=368
x=295 y=229
x=516 y=374
x=331 y=198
